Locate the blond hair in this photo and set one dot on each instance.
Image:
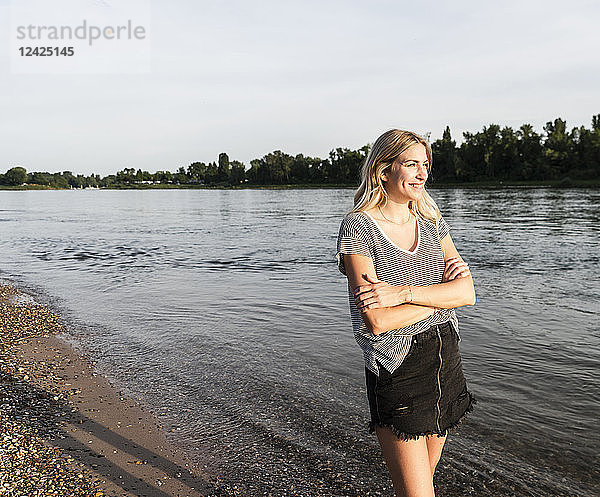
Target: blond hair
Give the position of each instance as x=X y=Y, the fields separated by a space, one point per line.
x=386 y=149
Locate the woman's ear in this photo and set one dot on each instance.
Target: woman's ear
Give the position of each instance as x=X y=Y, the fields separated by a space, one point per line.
x=383 y=176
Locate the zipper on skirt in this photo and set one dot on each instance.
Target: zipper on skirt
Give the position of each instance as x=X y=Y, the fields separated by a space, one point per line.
x=437 y=418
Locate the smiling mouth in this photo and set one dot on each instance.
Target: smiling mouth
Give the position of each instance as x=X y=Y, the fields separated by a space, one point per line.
x=419 y=186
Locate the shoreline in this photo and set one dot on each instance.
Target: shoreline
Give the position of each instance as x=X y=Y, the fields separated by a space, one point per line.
x=66 y=429
x=488 y=185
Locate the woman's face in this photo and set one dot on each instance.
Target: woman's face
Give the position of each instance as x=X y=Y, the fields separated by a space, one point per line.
x=405 y=179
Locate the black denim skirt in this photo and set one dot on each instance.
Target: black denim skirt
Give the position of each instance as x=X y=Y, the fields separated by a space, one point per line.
x=427 y=394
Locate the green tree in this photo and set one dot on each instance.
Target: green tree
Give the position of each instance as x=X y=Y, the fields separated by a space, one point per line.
x=479 y=155
x=585 y=163
x=530 y=151
x=470 y=158
x=299 y=169
x=108 y=181
x=181 y=177
x=212 y=174
x=196 y=172
x=252 y=173
x=223 y=169
x=93 y=180
x=305 y=169
x=39 y=178
x=70 y=178
x=506 y=154
x=15 y=176
x=490 y=139
x=60 y=180
x=126 y=176
x=344 y=165
x=556 y=148
x=80 y=181
x=444 y=157
x=237 y=173
x=317 y=172
x=272 y=169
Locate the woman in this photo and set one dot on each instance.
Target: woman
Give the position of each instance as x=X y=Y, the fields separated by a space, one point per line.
x=405 y=277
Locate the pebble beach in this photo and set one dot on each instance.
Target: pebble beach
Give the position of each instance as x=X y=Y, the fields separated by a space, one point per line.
x=28 y=416
x=65 y=430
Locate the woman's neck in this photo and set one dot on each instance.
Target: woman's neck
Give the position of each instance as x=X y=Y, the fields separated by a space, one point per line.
x=395 y=212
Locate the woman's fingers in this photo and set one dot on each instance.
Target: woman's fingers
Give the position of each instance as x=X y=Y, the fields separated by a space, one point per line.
x=460 y=273
x=377 y=286
x=363 y=297
x=371 y=279
x=368 y=304
x=364 y=302
x=379 y=295
x=368 y=288
x=453 y=262
x=455 y=269
x=365 y=294
x=449 y=266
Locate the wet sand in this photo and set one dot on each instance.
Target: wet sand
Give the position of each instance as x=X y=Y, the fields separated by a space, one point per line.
x=66 y=430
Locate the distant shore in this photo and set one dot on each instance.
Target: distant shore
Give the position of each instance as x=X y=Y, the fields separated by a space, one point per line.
x=66 y=430
x=563 y=183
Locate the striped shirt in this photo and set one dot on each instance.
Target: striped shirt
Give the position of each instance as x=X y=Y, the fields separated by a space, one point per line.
x=361 y=234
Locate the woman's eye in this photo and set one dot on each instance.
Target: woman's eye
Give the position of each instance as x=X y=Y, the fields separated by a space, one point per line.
x=415 y=164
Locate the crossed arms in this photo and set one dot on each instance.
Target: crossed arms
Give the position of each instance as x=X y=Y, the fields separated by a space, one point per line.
x=387 y=307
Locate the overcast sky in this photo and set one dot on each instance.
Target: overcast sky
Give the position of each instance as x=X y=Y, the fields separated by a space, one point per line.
x=250 y=77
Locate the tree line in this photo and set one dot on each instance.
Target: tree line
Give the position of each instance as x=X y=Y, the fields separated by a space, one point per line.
x=504 y=154
x=494 y=154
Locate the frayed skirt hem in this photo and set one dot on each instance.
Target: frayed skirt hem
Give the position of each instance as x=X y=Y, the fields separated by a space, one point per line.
x=414 y=436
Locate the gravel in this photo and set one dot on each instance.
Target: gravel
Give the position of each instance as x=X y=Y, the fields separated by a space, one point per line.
x=29 y=417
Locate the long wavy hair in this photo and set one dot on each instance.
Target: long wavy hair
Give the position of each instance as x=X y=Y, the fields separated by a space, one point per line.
x=386 y=149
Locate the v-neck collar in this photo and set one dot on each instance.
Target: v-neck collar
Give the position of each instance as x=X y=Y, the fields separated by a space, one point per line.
x=372 y=219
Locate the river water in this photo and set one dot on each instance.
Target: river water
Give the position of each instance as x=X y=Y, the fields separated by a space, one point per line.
x=224 y=312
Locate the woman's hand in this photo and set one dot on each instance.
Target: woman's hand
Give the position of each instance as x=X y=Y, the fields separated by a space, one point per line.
x=378 y=293
x=455 y=268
